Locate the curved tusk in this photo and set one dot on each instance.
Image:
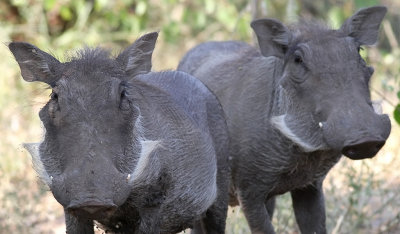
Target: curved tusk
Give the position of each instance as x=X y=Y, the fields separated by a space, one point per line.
x=129 y=176
x=320 y=124
x=377 y=106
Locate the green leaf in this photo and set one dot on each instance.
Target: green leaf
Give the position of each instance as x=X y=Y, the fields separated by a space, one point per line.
x=366 y=3
x=100 y=5
x=243 y=28
x=209 y=6
x=336 y=17
x=141 y=8
x=171 y=32
x=398 y=94
x=66 y=13
x=200 y=20
x=49 y=4
x=396 y=113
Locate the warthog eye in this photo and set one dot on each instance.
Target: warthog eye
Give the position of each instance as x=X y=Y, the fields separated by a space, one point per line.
x=298 y=59
x=299 y=69
x=53 y=105
x=124 y=101
x=123 y=94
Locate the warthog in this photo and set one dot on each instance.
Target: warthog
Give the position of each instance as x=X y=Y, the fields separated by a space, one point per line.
x=293 y=110
x=136 y=151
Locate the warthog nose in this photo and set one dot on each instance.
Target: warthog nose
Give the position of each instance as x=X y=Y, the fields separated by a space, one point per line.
x=366 y=149
x=93 y=210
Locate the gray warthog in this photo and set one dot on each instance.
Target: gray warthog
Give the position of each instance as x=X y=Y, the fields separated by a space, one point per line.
x=134 y=150
x=293 y=110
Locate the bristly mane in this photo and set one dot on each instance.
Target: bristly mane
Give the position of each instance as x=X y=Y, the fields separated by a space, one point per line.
x=92 y=60
x=306 y=30
x=310 y=29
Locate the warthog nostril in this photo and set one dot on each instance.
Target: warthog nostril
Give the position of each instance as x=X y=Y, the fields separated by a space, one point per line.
x=366 y=149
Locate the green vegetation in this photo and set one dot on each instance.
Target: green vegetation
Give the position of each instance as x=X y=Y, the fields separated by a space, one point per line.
x=361 y=197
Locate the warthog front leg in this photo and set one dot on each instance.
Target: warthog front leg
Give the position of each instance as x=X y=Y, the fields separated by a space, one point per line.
x=309 y=208
x=213 y=222
x=75 y=225
x=270 y=205
x=215 y=217
x=256 y=213
x=149 y=221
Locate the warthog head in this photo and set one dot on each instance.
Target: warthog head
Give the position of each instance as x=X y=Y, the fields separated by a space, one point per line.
x=325 y=100
x=93 y=138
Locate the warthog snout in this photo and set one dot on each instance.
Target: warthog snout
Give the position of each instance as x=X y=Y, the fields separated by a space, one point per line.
x=96 y=195
x=364 y=148
x=358 y=133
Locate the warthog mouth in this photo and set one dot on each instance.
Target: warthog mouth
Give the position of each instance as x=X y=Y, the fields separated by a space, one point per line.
x=92 y=209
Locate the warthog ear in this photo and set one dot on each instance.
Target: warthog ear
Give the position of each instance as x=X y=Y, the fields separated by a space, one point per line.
x=136 y=59
x=364 y=24
x=273 y=37
x=35 y=64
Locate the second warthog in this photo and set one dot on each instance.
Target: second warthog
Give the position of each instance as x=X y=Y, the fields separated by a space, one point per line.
x=293 y=110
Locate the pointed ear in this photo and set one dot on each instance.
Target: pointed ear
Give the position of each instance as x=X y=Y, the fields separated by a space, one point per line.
x=273 y=37
x=136 y=59
x=364 y=24
x=35 y=64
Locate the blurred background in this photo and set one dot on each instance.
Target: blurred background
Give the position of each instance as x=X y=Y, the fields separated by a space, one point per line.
x=361 y=196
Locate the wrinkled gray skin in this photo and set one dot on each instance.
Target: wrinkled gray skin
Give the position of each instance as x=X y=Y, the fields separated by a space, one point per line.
x=132 y=149
x=293 y=110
